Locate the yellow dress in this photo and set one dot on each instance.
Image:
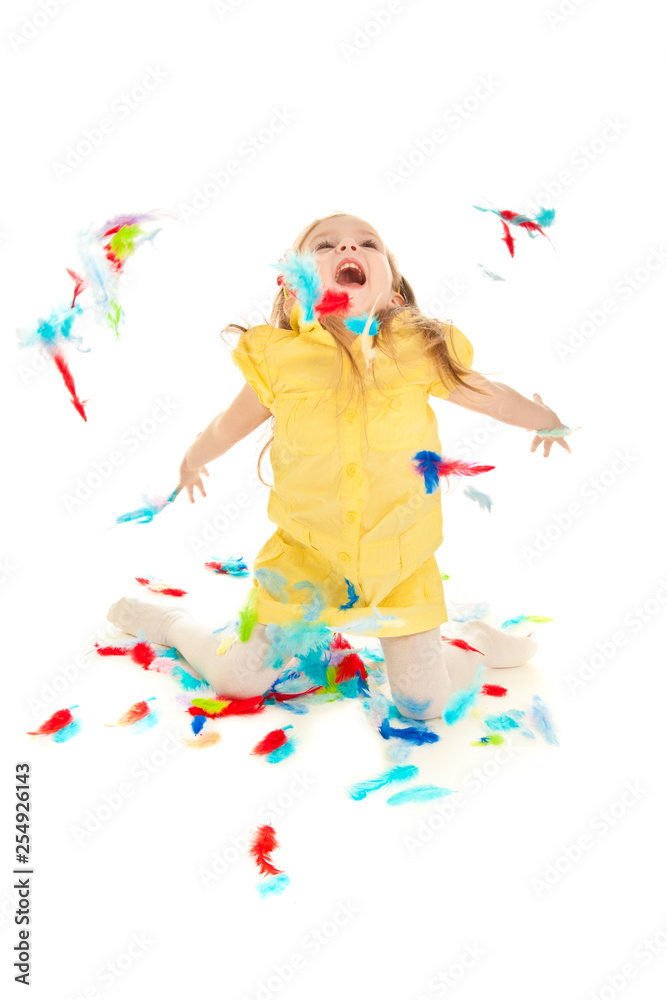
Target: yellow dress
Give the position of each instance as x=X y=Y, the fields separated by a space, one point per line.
x=346 y=500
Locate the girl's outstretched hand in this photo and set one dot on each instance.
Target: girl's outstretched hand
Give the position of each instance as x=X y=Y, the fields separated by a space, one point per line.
x=189 y=478
x=551 y=423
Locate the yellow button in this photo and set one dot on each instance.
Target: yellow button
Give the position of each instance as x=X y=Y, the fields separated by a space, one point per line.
x=343 y=556
x=350 y=415
x=350 y=517
x=351 y=469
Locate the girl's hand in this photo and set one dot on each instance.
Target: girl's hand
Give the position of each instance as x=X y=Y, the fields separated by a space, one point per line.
x=189 y=478
x=551 y=422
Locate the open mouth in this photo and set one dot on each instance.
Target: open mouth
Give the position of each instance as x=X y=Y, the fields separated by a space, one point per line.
x=349 y=273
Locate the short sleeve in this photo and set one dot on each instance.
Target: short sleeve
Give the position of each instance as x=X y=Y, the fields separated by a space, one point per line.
x=462 y=349
x=249 y=357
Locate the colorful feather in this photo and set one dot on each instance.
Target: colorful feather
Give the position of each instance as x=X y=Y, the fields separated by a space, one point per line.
x=232 y=567
x=363 y=788
x=559 y=432
x=432 y=466
x=248 y=615
x=299 y=273
x=158 y=587
x=501 y=721
x=468 y=612
x=482 y=499
x=542 y=220
x=410 y=733
x=152 y=507
x=59 y=720
x=541 y=719
x=461 y=644
x=273 y=582
x=264 y=843
x=197 y=722
x=460 y=702
x=276 y=738
x=495 y=738
x=273 y=885
x=411 y=704
x=540 y=619
x=204 y=740
x=494 y=690
x=490 y=274
x=419 y=793
x=333 y=301
x=136 y=713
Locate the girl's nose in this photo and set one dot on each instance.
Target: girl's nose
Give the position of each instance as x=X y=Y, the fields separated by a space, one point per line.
x=344 y=246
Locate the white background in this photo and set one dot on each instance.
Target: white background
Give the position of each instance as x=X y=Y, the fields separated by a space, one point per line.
x=360 y=98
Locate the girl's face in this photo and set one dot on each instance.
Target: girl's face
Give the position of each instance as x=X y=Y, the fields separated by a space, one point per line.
x=350 y=255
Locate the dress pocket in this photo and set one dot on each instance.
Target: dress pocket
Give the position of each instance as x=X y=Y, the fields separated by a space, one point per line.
x=396 y=418
x=306 y=422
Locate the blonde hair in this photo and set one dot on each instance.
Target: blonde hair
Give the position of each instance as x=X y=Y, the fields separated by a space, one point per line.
x=433 y=331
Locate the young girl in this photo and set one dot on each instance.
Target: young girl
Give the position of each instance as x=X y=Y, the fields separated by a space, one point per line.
x=353 y=517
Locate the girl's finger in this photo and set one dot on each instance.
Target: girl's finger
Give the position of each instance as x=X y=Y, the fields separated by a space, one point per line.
x=565 y=445
x=204 y=470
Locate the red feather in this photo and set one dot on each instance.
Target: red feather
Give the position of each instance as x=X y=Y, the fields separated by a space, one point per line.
x=350 y=667
x=79 y=285
x=173 y=591
x=276 y=738
x=462 y=644
x=245 y=706
x=495 y=690
x=143 y=654
x=264 y=843
x=215 y=566
x=58 y=721
x=333 y=301
x=338 y=642
x=112 y=650
x=63 y=368
x=508 y=239
x=136 y=712
x=286 y=697
x=449 y=466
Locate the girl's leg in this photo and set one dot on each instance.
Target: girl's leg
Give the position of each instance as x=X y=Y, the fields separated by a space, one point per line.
x=423 y=671
x=239 y=672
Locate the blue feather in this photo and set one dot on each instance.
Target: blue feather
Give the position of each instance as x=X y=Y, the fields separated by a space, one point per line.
x=362 y=788
x=517 y=715
x=286 y=750
x=274 y=582
x=410 y=733
x=356 y=324
x=273 y=884
x=299 y=272
x=411 y=704
x=541 y=719
x=198 y=723
x=420 y=793
x=482 y=499
x=501 y=721
x=428 y=468
x=462 y=701
x=352 y=595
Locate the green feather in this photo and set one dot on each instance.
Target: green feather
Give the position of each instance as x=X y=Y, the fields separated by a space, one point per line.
x=248 y=615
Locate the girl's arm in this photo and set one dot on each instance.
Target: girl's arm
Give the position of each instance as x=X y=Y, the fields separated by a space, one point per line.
x=243 y=415
x=509 y=406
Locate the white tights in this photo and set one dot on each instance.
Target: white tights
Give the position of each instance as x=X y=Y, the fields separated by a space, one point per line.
x=422 y=670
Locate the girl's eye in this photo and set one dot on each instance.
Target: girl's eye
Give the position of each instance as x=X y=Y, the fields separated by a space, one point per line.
x=327 y=243
x=371 y=243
